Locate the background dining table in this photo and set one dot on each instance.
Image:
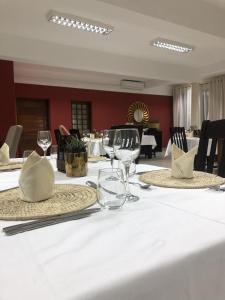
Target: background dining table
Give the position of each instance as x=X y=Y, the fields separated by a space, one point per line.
x=169 y=245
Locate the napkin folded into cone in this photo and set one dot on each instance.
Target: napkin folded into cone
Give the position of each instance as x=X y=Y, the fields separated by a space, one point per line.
x=37 y=179
x=4 y=154
x=182 y=162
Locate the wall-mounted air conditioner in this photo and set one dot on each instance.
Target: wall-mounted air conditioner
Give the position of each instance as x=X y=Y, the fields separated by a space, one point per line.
x=132 y=84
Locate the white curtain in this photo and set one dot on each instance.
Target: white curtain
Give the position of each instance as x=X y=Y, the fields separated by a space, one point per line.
x=204 y=102
x=217 y=98
x=182 y=106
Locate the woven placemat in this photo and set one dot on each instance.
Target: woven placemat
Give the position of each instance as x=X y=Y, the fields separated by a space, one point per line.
x=96 y=158
x=67 y=198
x=11 y=166
x=163 y=178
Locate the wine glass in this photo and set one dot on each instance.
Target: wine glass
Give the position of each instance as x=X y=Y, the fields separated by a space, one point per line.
x=44 y=140
x=107 y=144
x=127 y=149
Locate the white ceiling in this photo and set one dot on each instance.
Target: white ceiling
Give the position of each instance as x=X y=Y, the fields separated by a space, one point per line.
x=50 y=54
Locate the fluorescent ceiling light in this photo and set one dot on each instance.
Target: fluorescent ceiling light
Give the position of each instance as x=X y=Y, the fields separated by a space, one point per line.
x=171 y=45
x=79 y=23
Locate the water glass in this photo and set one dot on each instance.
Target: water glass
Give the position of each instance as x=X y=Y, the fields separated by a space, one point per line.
x=54 y=151
x=111 y=194
x=26 y=153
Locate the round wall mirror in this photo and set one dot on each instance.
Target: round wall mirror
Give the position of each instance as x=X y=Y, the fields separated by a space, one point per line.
x=138 y=113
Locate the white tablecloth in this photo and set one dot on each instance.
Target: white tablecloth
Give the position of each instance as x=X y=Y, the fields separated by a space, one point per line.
x=148 y=140
x=95 y=147
x=169 y=245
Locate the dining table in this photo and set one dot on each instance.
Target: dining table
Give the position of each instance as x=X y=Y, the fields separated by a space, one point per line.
x=169 y=245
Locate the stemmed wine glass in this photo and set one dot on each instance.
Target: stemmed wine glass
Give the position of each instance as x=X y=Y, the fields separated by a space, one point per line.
x=127 y=149
x=107 y=144
x=44 y=140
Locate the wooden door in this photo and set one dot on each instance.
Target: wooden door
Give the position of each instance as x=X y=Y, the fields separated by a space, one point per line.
x=32 y=114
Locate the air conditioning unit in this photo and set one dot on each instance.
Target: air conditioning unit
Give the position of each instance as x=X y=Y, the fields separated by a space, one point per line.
x=132 y=84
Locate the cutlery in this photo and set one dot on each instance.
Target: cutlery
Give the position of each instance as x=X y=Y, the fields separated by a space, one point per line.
x=94 y=186
x=91 y=184
x=19 y=228
x=142 y=186
x=218 y=188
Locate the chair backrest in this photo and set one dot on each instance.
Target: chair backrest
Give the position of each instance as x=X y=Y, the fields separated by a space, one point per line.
x=178 y=137
x=13 y=138
x=138 y=127
x=212 y=132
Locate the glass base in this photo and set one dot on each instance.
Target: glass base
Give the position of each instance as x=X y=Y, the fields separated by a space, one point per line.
x=131 y=198
x=112 y=178
x=128 y=197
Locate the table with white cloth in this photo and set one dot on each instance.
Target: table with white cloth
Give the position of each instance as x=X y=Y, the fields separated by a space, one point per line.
x=169 y=245
x=95 y=147
x=192 y=142
x=148 y=142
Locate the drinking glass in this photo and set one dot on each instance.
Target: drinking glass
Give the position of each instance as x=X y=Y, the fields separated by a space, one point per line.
x=111 y=194
x=44 y=140
x=54 y=151
x=107 y=144
x=127 y=149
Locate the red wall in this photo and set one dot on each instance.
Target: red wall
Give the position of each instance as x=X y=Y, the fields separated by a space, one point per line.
x=108 y=108
x=7 y=98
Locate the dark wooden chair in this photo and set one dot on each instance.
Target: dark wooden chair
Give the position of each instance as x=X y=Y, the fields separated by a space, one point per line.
x=207 y=161
x=158 y=137
x=125 y=126
x=178 y=137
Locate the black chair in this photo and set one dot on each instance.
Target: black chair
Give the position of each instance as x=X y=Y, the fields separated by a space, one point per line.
x=158 y=137
x=124 y=126
x=178 y=137
x=204 y=161
x=138 y=127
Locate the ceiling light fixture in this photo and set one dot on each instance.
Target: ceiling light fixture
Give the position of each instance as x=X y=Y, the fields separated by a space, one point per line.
x=171 y=45
x=79 y=23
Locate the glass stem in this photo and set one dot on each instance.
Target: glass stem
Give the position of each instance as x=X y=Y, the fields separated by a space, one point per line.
x=127 y=169
x=111 y=160
x=45 y=151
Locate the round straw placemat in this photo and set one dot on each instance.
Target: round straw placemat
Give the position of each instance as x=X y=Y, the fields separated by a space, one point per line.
x=163 y=178
x=67 y=198
x=11 y=166
x=96 y=158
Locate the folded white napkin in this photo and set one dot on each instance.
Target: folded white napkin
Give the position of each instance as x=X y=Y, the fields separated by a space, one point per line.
x=182 y=162
x=4 y=154
x=37 y=179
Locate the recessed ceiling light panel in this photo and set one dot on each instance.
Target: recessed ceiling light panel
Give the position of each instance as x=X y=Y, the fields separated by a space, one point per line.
x=79 y=23
x=171 y=45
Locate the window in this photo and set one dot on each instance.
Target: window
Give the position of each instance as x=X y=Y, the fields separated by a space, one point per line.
x=81 y=116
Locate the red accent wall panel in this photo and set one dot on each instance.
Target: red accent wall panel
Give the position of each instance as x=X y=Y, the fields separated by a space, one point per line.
x=108 y=108
x=7 y=98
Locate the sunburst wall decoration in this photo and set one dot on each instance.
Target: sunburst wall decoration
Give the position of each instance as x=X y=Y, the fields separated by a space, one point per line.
x=138 y=112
